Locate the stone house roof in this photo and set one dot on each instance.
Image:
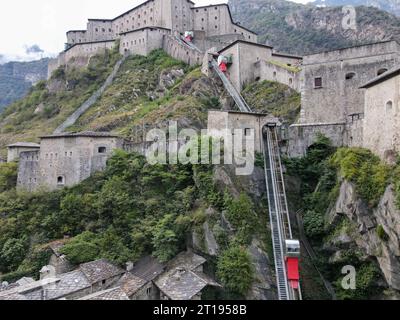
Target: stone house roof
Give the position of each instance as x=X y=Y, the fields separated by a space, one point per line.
x=187 y=260
x=110 y=294
x=148 y=268
x=183 y=284
x=131 y=284
x=100 y=270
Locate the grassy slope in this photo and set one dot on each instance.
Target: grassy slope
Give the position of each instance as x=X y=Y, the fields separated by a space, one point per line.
x=49 y=103
x=275 y=98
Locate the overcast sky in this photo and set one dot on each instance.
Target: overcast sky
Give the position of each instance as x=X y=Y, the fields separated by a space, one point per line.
x=24 y=23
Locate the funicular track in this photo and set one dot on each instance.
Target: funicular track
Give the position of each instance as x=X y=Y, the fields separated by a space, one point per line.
x=277 y=202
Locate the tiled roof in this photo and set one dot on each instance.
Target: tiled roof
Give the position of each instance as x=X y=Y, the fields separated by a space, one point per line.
x=110 y=294
x=100 y=270
x=148 y=268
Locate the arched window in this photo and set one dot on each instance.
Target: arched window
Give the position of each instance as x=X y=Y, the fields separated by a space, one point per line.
x=350 y=75
x=381 y=71
x=389 y=106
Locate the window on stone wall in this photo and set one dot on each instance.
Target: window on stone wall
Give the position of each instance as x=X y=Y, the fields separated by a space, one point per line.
x=389 y=106
x=97 y=30
x=60 y=180
x=318 y=82
x=102 y=150
x=381 y=71
x=216 y=18
x=104 y=30
x=148 y=291
x=290 y=81
x=350 y=75
x=216 y=27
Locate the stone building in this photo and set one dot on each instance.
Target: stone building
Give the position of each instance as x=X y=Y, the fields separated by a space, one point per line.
x=89 y=278
x=14 y=150
x=232 y=120
x=156 y=24
x=334 y=101
x=381 y=124
x=331 y=88
x=253 y=61
x=66 y=159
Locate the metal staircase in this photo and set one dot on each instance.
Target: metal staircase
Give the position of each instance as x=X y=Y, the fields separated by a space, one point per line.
x=241 y=103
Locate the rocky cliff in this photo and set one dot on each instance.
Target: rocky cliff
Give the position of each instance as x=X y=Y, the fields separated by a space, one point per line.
x=304 y=29
x=375 y=233
x=16 y=78
x=392 y=6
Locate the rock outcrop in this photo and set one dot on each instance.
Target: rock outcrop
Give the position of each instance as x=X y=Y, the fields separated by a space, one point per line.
x=386 y=217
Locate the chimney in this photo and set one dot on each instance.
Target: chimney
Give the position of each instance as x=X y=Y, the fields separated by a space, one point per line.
x=47 y=272
x=129 y=266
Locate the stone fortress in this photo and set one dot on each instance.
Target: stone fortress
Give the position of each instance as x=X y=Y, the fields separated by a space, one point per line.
x=350 y=95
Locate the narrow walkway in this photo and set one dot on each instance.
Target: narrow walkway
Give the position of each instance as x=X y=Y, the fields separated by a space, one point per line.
x=71 y=120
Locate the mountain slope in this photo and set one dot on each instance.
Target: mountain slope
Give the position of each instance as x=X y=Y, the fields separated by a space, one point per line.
x=392 y=6
x=305 y=29
x=16 y=78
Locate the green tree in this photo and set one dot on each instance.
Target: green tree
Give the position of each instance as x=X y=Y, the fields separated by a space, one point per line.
x=235 y=270
x=13 y=253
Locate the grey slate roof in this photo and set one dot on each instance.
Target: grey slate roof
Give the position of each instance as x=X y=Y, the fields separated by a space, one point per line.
x=68 y=283
x=180 y=284
x=100 y=270
x=131 y=284
x=148 y=268
x=187 y=260
x=110 y=294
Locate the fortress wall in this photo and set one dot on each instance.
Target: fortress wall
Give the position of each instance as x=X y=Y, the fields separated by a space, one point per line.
x=355 y=133
x=301 y=137
x=182 y=52
x=73 y=158
x=220 y=41
x=286 y=59
x=29 y=177
x=149 y=14
x=381 y=132
x=54 y=64
x=182 y=16
x=216 y=20
x=87 y=49
x=339 y=97
x=245 y=56
x=76 y=36
x=142 y=42
x=100 y=30
x=271 y=72
x=361 y=51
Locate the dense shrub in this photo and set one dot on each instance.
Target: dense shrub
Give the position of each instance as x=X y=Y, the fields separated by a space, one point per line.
x=366 y=170
x=8 y=176
x=235 y=270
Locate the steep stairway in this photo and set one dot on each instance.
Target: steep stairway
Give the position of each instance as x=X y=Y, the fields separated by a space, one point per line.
x=71 y=120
